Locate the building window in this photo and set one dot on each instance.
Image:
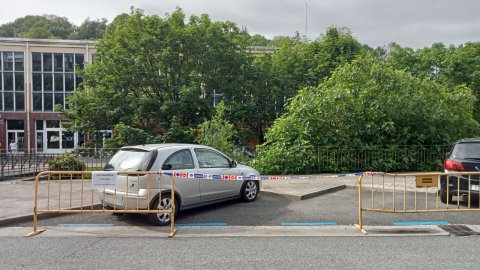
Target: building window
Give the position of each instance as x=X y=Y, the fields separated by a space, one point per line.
x=12 y=81
x=53 y=79
x=52 y=138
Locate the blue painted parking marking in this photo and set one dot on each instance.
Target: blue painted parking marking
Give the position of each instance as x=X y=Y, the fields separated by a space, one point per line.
x=420 y=223
x=308 y=223
x=201 y=224
x=85 y=225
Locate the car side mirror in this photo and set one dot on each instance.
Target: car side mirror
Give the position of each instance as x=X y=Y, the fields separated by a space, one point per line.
x=447 y=155
x=233 y=164
x=166 y=167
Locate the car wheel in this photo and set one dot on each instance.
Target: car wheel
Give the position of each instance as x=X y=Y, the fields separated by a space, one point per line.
x=250 y=191
x=444 y=195
x=163 y=219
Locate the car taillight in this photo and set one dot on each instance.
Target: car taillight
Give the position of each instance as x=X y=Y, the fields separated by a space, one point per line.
x=453 y=165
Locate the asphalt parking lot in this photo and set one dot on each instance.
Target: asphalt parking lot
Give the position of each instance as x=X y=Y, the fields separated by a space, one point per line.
x=340 y=208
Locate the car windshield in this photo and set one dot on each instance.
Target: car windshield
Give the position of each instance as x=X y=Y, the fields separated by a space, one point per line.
x=129 y=160
x=466 y=151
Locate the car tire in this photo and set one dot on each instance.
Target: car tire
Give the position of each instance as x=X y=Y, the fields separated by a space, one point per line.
x=444 y=195
x=163 y=219
x=250 y=191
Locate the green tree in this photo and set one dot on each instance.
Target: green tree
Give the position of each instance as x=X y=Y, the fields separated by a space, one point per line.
x=30 y=25
x=152 y=69
x=463 y=68
x=451 y=66
x=218 y=132
x=37 y=32
x=366 y=104
x=89 y=29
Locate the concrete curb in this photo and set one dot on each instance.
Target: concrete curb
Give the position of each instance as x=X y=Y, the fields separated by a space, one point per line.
x=226 y=231
x=29 y=217
x=305 y=195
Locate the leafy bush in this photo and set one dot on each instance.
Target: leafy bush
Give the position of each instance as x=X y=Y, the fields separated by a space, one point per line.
x=218 y=132
x=66 y=162
x=367 y=104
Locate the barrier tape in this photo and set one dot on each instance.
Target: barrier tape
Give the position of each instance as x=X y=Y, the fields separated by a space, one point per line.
x=264 y=177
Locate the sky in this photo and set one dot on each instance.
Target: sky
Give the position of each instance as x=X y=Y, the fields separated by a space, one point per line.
x=410 y=23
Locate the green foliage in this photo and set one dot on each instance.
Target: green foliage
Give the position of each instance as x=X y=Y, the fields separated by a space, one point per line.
x=66 y=162
x=124 y=135
x=37 y=32
x=163 y=67
x=367 y=103
x=177 y=133
x=452 y=66
x=89 y=29
x=218 y=132
x=38 y=27
x=52 y=27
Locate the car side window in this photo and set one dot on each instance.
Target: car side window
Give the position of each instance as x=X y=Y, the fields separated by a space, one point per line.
x=211 y=159
x=180 y=160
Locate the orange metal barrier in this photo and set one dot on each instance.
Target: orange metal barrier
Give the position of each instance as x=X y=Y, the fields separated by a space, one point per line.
x=69 y=192
x=390 y=193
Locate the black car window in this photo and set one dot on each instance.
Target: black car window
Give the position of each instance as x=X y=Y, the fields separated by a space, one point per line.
x=180 y=160
x=466 y=151
x=211 y=159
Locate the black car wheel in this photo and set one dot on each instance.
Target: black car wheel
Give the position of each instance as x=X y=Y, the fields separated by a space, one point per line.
x=163 y=219
x=444 y=195
x=250 y=191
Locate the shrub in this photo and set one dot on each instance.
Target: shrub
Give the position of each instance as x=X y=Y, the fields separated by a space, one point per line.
x=66 y=162
x=363 y=105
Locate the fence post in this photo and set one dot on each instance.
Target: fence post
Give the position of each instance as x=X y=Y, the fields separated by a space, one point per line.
x=360 y=214
x=319 y=160
x=2 y=164
x=359 y=226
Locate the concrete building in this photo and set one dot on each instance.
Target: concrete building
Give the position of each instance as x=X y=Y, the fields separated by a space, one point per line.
x=35 y=76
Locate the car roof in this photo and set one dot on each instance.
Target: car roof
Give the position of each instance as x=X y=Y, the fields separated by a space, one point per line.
x=150 y=147
x=469 y=140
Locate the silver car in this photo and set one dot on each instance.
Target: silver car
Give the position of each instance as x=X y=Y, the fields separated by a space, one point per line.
x=183 y=160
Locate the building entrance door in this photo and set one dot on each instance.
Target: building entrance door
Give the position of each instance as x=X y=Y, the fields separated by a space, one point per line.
x=15 y=133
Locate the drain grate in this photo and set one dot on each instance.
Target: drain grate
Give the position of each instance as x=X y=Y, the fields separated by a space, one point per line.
x=458 y=230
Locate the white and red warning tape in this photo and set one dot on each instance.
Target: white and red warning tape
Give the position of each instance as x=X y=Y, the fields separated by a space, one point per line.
x=264 y=177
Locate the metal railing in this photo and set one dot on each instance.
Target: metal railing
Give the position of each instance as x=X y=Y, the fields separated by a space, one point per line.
x=23 y=165
x=418 y=193
x=401 y=158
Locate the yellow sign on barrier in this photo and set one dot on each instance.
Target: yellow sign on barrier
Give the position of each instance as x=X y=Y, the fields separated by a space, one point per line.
x=426 y=180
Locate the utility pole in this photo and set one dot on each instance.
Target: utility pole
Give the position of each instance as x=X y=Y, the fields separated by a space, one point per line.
x=306 y=18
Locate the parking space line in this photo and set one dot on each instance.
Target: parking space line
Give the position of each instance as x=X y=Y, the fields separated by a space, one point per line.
x=85 y=225
x=308 y=223
x=201 y=224
x=420 y=223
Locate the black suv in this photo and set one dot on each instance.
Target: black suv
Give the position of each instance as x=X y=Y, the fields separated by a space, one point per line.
x=465 y=156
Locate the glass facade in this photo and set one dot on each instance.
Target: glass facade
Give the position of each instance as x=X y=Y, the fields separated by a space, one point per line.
x=12 y=81
x=52 y=137
x=35 y=79
x=54 y=79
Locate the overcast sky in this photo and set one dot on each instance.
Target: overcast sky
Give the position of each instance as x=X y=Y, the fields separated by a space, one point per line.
x=411 y=23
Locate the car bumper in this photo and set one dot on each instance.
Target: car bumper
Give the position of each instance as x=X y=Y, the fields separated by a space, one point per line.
x=461 y=184
x=124 y=201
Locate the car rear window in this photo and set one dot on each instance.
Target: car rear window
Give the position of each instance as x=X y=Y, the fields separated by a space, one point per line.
x=131 y=160
x=466 y=150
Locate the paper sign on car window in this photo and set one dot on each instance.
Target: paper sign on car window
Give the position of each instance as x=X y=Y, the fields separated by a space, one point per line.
x=104 y=180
